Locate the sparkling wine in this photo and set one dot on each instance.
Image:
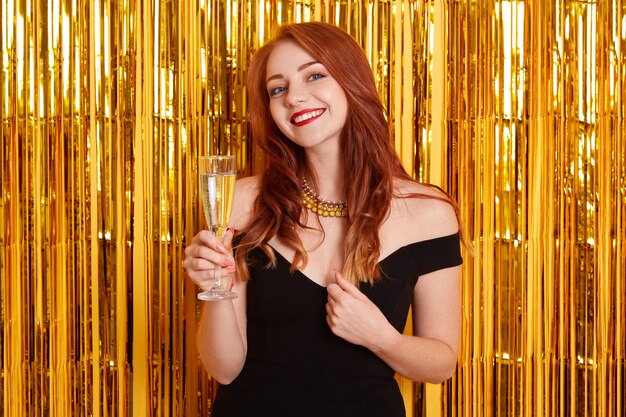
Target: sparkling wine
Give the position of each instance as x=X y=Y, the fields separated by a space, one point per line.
x=217 y=192
x=217 y=175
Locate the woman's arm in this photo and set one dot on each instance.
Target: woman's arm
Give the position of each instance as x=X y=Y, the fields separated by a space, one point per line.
x=430 y=355
x=221 y=336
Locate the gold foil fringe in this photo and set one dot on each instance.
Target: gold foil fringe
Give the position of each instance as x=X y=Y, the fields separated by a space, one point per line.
x=516 y=107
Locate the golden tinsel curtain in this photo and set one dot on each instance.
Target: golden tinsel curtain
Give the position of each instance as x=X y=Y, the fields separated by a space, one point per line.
x=535 y=108
x=516 y=107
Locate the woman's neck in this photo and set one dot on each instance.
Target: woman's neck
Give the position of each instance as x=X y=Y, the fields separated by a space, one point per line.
x=328 y=176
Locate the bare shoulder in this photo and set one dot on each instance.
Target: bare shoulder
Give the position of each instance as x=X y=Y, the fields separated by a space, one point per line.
x=422 y=211
x=246 y=192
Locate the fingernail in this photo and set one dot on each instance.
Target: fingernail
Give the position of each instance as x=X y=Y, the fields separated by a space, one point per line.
x=228 y=263
x=222 y=249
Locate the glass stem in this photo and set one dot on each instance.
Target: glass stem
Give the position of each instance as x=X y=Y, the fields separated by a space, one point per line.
x=217 y=286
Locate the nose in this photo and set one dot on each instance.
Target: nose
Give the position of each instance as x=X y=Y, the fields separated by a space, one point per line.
x=296 y=94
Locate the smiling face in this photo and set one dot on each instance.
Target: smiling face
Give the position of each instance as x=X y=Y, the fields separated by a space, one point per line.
x=306 y=102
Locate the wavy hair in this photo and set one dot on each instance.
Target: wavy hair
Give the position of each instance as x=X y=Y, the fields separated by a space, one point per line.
x=371 y=163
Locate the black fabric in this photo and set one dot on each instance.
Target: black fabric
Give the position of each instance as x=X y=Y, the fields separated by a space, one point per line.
x=297 y=367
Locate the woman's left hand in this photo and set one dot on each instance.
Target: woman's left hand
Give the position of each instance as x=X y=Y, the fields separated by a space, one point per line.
x=352 y=316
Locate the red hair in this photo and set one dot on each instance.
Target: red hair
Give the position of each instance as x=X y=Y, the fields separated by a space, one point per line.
x=371 y=163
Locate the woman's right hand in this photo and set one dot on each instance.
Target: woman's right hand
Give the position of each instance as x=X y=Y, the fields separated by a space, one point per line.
x=204 y=254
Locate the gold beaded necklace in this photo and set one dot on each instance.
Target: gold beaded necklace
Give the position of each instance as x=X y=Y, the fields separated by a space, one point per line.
x=322 y=207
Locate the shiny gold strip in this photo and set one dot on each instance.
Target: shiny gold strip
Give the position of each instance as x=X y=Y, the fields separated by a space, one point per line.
x=34 y=127
x=603 y=300
x=619 y=192
x=436 y=142
x=92 y=166
x=539 y=251
x=403 y=82
x=60 y=295
x=141 y=317
x=15 y=337
x=118 y=69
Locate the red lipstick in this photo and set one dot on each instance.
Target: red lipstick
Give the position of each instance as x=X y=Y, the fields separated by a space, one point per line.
x=306 y=116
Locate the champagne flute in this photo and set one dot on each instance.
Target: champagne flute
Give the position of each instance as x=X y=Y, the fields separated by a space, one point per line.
x=217 y=189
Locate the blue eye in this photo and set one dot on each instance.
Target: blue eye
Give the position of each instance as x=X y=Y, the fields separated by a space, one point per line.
x=316 y=76
x=276 y=90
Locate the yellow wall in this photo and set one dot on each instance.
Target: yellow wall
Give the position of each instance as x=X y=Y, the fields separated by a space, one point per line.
x=516 y=107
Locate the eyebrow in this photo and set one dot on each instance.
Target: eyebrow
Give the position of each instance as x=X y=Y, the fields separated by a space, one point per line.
x=300 y=68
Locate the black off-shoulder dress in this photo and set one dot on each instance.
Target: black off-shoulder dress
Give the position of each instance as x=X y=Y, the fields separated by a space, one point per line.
x=296 y=367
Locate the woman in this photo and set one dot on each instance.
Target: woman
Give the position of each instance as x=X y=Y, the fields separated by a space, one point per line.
x=325 y=283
